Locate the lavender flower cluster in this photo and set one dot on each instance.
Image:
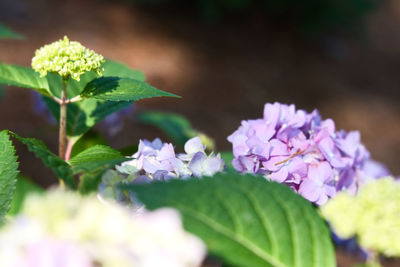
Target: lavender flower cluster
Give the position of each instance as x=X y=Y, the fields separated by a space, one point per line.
x=157 y=161
x=303 y=151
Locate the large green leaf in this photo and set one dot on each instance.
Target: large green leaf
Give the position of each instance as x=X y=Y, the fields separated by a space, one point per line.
x=177 y=127
x=8 y=172
x=83 y=115
x=96 y=158
x=50 y=160
x=118 y=69
x=111 y=68
x=7 y=33
x=23 y=77
x=121 y=89
x=246 y=220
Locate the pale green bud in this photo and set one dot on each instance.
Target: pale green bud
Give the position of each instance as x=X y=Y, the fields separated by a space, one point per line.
x=373 y=216
x=66 y=58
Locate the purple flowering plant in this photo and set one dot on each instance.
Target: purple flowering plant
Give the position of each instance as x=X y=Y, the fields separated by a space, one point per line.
x=303 y=151
x=242 y=217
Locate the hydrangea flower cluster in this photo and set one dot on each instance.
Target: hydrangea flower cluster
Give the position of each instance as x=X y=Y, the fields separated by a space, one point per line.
x=67 y=58
x=373 y=216
x=303 y=151
x=157 y=161
x=66 y=230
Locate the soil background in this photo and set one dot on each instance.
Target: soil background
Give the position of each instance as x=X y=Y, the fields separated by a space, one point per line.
x=224 y=71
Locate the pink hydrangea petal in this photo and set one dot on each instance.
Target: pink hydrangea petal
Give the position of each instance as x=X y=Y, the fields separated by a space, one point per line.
x=280 y=175
x=278 y=148
x=330 y=190
x=297 y=167
x=273 y=163
x=272 y=113
x=350 y=143
x=321 y=172
x=298 y=119
x=299 y=142
x=264 y=131
x=322 y=199
x=329 y=126
x=310 y=190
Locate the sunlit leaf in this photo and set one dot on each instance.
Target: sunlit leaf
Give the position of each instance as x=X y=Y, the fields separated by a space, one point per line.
x=246 y=220
x=121 y=89
x=23 y=77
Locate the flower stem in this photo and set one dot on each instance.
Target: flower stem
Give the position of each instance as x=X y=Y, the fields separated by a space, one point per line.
x=62 y=137
x=68 y=151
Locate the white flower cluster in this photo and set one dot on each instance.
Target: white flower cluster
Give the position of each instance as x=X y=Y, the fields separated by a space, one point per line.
x=63 y=229
x=67 y=58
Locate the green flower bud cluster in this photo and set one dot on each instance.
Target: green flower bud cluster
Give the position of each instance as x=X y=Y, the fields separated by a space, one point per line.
x=373 y=216
x=67 y=58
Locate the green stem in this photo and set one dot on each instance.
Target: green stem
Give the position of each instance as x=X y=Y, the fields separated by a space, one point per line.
x=62 y=137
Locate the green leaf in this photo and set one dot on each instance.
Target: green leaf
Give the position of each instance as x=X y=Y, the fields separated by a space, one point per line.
x=50 y=160
x=7 y=33
x=89 y=139
x=118 y=69
x=129 y=150
x=24 y=187
x=96 y=158
x=92 y=163
x=177 y=127
x=83 y=115
x=121 y=89
x=74 y=87
x=246 y=220
x=23 y=77
x=89 y=182
x=8 y=172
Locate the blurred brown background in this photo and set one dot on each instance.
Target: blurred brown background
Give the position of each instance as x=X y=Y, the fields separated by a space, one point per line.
x=225 y=67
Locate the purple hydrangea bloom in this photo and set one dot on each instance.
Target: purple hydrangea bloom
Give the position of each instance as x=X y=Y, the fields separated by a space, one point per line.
x=303 y=151
x=158 y=161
